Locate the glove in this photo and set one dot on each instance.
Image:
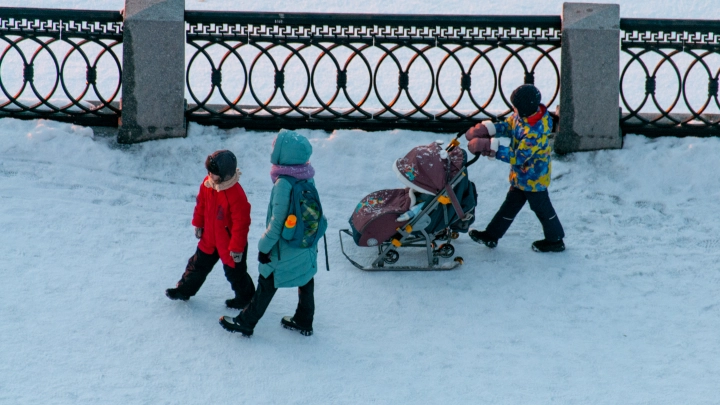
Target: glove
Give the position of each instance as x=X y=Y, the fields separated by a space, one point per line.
x=478 y=131
x=264 y=258
x=489 y=153
x=198 y=232
x=484 y=146
x=479 y=145
x=237 y=257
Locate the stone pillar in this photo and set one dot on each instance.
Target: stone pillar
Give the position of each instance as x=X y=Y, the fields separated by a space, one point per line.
x=590 y=78
x=153 y=84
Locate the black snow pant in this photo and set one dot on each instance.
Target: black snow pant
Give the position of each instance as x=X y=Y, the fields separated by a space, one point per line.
x=200 y=265
x=266 y=290
x=539 y=203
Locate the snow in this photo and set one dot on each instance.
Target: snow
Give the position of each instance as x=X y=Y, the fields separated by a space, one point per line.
x=93 y=233
x=695 y=9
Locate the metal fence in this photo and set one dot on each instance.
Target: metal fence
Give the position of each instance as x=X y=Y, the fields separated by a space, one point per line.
x=680 y=62
x=61 y=64
x=437 y=73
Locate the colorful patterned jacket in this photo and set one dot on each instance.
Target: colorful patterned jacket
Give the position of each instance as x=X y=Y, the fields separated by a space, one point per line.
x=529 y=150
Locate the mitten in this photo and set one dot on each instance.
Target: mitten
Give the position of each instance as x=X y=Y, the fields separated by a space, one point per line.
x=198 y=232
x=263 y=258
x=237 y=257
x=479 y=145
x=481 y=130
x=483 y=146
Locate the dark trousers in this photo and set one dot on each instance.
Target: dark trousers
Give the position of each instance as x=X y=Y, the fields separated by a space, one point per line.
x=200 y=265
x=539 y=203
x=263 y=295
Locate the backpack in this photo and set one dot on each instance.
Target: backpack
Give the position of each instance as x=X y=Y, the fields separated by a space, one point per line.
x=310 y=223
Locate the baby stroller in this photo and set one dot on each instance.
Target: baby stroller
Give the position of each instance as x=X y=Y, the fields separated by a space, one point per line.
x=438 y=190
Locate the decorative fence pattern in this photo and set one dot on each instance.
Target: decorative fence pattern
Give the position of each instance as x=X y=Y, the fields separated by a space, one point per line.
x=43 y=53
x=682 y=58
x=268 y=70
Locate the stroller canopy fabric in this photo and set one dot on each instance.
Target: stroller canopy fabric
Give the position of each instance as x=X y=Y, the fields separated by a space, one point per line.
x=425 y=169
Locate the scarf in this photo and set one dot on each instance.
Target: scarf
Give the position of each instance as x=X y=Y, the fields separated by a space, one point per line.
x=300 y=172
x=225 y=184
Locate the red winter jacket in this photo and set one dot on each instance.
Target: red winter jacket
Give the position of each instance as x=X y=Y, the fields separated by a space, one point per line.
x=225 y=219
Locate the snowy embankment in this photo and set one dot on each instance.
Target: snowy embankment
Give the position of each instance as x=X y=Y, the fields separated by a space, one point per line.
x=93 y=232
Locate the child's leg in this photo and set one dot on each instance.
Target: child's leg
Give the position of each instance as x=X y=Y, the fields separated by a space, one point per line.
x=306 y=305
x=260 y=301
x=514 y=201
x=198 y=267
x=240 y=280
x=541 y=205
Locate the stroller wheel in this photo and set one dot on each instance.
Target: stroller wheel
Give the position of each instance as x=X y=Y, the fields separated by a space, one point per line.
x=391 y=257
x=445 y=250
x=454 y=235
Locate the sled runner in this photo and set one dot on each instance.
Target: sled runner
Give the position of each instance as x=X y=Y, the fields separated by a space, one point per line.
x=437 y=204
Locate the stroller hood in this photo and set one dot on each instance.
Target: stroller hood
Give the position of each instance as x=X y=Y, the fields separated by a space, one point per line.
x=423 y=169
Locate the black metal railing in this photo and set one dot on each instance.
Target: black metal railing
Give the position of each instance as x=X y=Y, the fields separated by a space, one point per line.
x=61 y=64
x=669 y=77
x=439 y=73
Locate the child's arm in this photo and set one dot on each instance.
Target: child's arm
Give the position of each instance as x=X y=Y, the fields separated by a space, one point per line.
x=500 y=129
x=198 y=220
x=240 y=214
x=530 y=145
x=281 y=205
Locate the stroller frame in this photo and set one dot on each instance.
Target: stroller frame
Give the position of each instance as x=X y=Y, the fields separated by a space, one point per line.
x=387 y=251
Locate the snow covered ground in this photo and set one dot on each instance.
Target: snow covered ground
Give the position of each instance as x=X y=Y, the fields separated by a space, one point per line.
x=93 y=232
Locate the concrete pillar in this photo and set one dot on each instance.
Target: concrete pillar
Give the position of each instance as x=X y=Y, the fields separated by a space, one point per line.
x=590 y=78
x=153 y=92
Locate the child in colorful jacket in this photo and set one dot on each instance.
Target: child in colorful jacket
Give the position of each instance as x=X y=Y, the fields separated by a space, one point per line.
x=282 y=265
x=222 y=222
x=530 y=168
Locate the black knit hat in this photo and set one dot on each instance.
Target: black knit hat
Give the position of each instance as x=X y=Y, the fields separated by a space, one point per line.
x=221 y=163
x=526 y=99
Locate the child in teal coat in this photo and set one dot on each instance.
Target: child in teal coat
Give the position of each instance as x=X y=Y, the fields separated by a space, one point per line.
x=282 y=265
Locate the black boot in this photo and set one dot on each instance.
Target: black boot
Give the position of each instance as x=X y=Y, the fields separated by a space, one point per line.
x=236 y=325
x=288 y=322
x=483 y=237
x=237 y=303
x=175 y=294
x=548 y=246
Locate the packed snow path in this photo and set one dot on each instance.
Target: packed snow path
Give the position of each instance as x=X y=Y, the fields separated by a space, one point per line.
x=93 y=233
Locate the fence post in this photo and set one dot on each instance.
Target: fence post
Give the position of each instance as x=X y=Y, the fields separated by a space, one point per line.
x=153 y=92
x=590 y=78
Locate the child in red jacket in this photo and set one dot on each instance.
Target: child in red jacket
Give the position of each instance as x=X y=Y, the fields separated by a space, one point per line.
x=222 y=222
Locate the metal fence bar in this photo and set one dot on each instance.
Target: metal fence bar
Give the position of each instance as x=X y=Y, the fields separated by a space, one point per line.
x=63 y=42
x=357 y=47
x=680 y=54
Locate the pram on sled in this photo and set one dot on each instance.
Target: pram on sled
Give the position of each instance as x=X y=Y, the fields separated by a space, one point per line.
x=441 y=197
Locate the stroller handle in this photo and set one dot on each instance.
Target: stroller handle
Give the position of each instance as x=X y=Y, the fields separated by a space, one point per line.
x=473 y=160
x=455 y=143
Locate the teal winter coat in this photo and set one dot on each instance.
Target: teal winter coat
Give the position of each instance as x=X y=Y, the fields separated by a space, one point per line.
x=291 y=266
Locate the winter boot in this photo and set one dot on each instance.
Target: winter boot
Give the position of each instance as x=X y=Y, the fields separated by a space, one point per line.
x=483 y=237
x=175 y=294
x=236 y=303
x=548 y=246
x=288 y=322
x=236 y=325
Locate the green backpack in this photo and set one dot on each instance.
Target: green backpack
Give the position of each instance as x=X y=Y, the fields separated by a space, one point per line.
x=305 y=205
